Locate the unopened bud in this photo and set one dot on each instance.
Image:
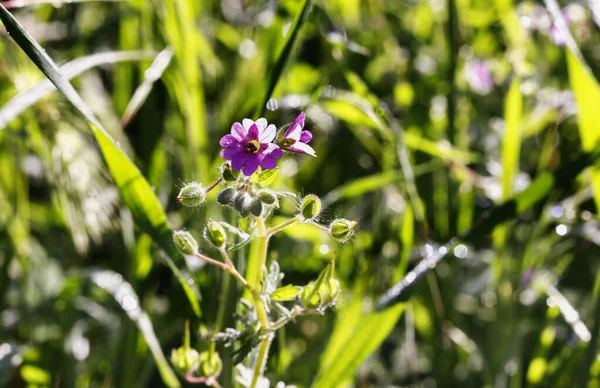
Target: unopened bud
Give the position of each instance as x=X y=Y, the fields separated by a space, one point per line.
x=310 y=207
x=215 y=234
x=242 y=202
x=322 y=292
x=342 y=229
x=267 y=197
x=256 y=207
x=185 y=360
x=228 y=173
x=226 y=196
x=192 y=194
x=185 y=242
x=210 y=364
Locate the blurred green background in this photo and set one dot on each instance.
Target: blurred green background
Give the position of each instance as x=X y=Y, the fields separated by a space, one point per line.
x=425 y=115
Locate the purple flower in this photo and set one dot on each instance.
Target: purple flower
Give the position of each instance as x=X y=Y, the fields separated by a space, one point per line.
x=296 y=138
x=249 y=146
x=555 y=31
x=479 y=77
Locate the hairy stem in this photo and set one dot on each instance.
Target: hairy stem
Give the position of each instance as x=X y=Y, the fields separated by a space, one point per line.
x=278 y=228
x=233 y=271
x=261 y=359
x=263 y=242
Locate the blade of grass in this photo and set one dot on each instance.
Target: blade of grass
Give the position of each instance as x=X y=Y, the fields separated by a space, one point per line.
x=124 y=294
x=135 y=191
x=511 y=147
x=282 y=57
x=370 y=332
x=189 y=292
x=69 y=70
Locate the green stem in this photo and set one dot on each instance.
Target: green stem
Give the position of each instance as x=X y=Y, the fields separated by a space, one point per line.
x=261 y=360
x=263 y=242
x=234 y=272
x=278 y=228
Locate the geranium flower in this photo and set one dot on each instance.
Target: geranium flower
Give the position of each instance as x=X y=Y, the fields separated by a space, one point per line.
x=296 y=138
x=249 y=146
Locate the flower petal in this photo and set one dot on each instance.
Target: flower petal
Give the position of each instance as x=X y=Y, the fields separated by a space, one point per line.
x=293 y=132
x=239 y=161
x=303 y=148
x=253 y=132
x=261 y=123
x=228 y=141
x=268 y=163
x=306 y=136
x=268 y=134
x=232 y=153
x=247 y=123
x=238 y=131
x=251 y=165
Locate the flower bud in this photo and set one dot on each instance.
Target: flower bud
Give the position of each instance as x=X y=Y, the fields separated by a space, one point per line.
x=226 y=196
x=210 y=364
x=267 y=197
x=228 y=173
x=215 y=234
x=256 y=207
x=322 y=292
x=185 y=360
x=310 y=207
x=242 y=202
x=342 y=229
x=185 y=242
x=192 y=194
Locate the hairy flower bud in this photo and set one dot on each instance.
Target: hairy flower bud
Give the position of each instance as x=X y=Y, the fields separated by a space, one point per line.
x=267 y=197
x=256 y=207
x=226 y=196
x=342 y=229
x=215 y=234
x=192 y=194
x=185 y=242
x=310 y=207
x=242 y=202
x=228 y=173
x=210 y=364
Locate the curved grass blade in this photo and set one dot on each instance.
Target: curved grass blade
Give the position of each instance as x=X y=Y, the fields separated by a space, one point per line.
x=539 y=189
x=135 y=191
x=153 y=74
x=361 y=186
x=124 y=294
x=283 y=56
x=370 y=332
x=69 y=70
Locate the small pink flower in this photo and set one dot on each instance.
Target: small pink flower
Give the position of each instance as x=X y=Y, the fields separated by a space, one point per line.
x=250 y=145
x=296 y=138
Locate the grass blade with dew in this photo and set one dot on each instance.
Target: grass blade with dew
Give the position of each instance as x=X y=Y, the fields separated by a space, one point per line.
x=69 y=70
x=282 y=56
x=124 y=294
x=539 y=189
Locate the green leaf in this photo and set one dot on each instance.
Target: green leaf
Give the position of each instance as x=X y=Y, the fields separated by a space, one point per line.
x=587 y=94
x=286 y=293
x=267 y=177
x=361 y=186
x=124 y=294
x=370 y=332
x=511 y=141
x=283 y=55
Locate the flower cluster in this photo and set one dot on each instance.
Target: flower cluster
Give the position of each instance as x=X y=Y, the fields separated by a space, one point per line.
x=253 y=148
x=251 y=145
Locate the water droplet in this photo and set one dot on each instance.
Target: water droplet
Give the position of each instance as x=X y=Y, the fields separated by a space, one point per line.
x=272 y=104
x=461 y=251
x=561 y=229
